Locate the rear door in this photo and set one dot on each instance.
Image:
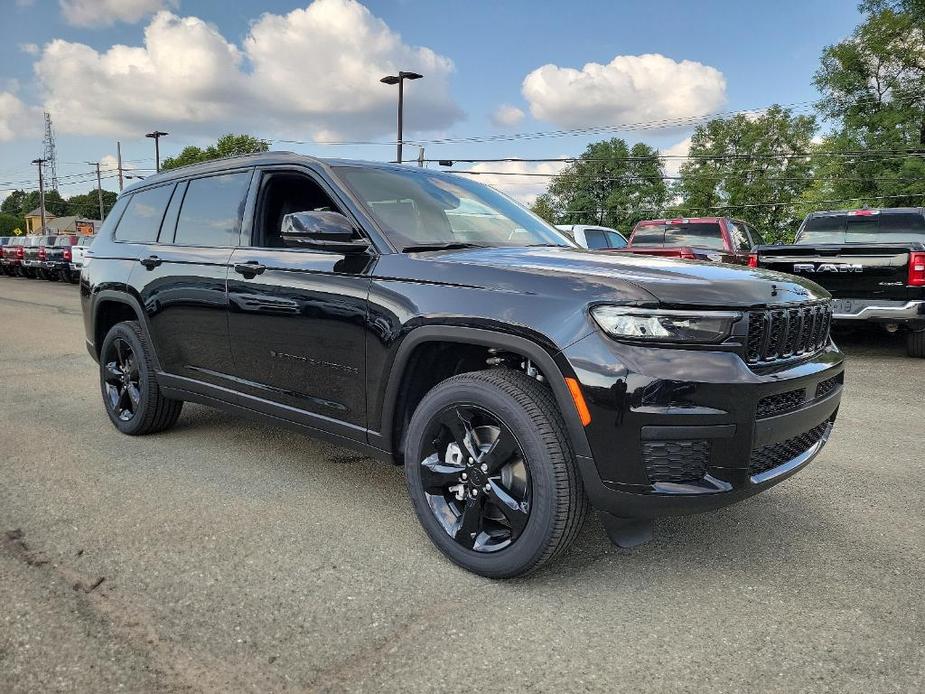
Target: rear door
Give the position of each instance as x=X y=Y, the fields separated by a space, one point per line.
x=181 y=272
x=297 y=317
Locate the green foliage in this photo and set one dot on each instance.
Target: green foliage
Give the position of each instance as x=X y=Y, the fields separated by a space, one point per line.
x=610 y=184
x=88 y=204
x=748 y=169
x=227 y=146
x=9 y=223
x=542 y=207
x=873 y=87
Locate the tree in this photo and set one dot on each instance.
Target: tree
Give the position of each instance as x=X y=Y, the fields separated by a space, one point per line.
x=88 y=204
x=227 y=146
x=14 y=203
x=873 y=88
x=10 y=223
x=744 y=167
x=609 y=184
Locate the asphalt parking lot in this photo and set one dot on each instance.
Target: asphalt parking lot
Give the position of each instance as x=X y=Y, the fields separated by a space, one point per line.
x=230 y=555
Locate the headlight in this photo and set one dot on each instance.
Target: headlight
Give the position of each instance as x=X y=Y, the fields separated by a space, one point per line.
x=653 y=325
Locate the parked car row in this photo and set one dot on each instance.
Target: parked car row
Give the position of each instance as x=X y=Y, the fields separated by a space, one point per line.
x=52 y=257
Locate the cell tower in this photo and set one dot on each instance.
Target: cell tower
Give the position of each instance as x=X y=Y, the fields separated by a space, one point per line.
x=51 y=159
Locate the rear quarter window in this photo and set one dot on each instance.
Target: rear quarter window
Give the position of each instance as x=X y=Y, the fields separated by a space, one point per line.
x=212 y=210
x=595 y=238
x=141 y=220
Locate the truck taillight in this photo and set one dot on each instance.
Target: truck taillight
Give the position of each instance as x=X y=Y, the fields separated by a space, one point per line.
x=916 y=270
x=687 y=255
x=753 y=260
x=20 y=252
x=67 y=254
x=41 y=252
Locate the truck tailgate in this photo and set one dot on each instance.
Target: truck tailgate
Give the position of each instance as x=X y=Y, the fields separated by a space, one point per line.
x=848 y=270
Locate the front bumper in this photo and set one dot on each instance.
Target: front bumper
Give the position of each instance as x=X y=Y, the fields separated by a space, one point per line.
x=677 y=431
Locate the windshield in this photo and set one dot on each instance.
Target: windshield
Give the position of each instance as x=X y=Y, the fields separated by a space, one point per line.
x=418 y=208
x=869 y=228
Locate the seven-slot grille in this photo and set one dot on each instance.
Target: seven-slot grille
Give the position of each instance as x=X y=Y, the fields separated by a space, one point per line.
x=782 y=333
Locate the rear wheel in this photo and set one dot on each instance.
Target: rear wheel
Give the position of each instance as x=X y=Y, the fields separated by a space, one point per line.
x=51 y=276
x=129 y=386
x=915 y=344
x=490 y=473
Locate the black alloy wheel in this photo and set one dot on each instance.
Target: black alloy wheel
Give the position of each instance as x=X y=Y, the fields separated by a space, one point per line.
x=129 y=386
x=121 y=380
x=476 y=481
x=491 y=474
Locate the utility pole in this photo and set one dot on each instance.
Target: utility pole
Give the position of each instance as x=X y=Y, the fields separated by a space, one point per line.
x=156 y=136
x=421 y=157
x=399 y=79
x=119 y=157
x=40 y=163
x=99 y=185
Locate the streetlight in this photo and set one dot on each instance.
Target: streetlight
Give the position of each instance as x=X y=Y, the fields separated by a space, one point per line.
x=399 y=79
x=156 y=136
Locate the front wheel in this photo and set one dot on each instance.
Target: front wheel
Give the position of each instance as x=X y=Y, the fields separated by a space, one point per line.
x=491 y=475
x=129 y=385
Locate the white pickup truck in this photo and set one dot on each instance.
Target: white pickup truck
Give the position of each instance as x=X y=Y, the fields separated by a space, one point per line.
x=78 y=251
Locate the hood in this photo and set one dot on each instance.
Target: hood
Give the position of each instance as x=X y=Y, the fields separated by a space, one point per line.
x=672 y=282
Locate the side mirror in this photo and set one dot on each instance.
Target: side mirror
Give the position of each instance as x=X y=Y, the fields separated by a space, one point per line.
x=322 y=231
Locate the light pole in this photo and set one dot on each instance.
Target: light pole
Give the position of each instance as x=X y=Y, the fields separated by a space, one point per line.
x=399 y=79
x=156 y=136
x=40 y=163
x=99 y=186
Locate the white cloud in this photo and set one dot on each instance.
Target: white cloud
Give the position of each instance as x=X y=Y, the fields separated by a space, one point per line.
x=29 y=48
x=507 y=116
x=313 y=72
x=679 y=149
x=16 y=119
x=100 y=13
x=523 y=187
x=629 y=89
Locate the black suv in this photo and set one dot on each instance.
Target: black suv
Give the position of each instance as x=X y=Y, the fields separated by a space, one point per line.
x=428 y=320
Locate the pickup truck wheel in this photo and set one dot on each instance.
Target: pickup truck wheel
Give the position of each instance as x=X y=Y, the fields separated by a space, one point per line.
x=127 y=380
x=491 y=475
x=915 y=344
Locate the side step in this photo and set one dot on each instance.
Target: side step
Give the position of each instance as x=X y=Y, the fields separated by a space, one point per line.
x=628 y=532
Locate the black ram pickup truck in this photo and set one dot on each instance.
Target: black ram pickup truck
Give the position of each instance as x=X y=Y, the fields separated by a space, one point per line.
x=871 y=261
x=428 y=320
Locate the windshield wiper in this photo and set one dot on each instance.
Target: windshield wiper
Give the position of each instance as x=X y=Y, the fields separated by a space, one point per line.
x=441 y=246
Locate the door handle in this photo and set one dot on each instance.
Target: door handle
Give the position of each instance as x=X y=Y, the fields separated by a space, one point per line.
x=151 y=262
x=249 y=269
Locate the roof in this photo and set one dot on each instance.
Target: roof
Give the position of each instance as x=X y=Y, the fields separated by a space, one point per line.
x=872 y=210
x=686 y=220
x=260 y=159
x=37 y=212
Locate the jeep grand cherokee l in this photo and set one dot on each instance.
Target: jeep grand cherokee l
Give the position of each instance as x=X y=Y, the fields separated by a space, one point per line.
x=428 y=320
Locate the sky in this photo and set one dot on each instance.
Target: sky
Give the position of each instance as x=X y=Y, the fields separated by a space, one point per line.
x=308 y=71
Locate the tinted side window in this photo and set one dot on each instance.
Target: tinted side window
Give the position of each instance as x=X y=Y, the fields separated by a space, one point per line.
x=615 y=240
x=212 y=210
x=595 y=238
x=142 y=217
x=739 y=237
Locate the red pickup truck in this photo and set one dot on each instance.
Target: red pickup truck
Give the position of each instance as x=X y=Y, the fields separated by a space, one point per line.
x=718 y=239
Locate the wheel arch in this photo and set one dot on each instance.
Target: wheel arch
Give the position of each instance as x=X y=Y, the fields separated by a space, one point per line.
x=392 y=408
x=111 y=307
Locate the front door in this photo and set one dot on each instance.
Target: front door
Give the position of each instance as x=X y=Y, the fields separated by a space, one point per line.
x=297 y=317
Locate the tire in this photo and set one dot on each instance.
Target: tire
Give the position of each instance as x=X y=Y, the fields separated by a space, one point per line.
x=128 y=383
x=915 y=344
x=540 y=477
x=51 y=276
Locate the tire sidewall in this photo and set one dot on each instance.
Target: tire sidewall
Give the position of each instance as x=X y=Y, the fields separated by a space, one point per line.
x=531 y=544
x=125 y=332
